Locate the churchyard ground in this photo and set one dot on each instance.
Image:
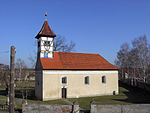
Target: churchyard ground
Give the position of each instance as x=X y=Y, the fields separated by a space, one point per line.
x=127 y=95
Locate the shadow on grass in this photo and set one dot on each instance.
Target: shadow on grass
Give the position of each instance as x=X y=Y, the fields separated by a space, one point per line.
x=21 y=93
x=135 y=95
x=25 y=93
x=3 y=92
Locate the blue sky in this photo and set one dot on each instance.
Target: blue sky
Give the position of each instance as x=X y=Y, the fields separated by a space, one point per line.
x=96 y=26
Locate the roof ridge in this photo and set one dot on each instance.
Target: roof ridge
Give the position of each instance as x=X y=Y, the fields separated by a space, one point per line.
x=76 y=52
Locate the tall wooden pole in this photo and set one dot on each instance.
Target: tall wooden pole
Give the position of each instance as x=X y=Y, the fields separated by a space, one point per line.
x=12 y=74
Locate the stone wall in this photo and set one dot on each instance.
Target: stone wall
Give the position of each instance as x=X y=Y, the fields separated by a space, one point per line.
x=46 y=108
x=134 y=108
x=95 y=108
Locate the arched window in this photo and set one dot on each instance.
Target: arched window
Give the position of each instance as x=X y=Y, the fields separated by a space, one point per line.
x=103 y=79
x=86 y=80
x=64 y=80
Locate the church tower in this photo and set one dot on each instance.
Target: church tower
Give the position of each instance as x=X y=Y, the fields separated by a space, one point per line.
x=45 y=41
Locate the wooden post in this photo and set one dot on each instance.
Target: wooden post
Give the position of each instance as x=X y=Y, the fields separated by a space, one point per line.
x=12 y=74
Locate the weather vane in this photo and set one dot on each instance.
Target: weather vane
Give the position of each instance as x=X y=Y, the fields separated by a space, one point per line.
x=46 y=16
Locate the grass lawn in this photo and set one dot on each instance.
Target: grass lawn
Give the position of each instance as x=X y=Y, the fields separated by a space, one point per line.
x=84 y=102
x=19 y=106
x=48 y=102
x=20 y=91
x=127 y=95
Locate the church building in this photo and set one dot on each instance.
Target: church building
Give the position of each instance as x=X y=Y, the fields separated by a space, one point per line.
x=70 y=75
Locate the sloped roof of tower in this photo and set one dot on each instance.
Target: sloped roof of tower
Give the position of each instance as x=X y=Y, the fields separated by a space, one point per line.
x=76 y=61
x=46 y=31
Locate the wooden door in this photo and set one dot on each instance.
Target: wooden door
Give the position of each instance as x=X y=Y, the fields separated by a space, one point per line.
x=64 y=92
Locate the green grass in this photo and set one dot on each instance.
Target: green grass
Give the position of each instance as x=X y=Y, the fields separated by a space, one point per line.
x=19 y=106
x=84 y=102
x=19 y=90
x=127 y=95
x=59 y=101
x=2 y=97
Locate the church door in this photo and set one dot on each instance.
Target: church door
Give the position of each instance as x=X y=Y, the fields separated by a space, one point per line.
x=64 y=92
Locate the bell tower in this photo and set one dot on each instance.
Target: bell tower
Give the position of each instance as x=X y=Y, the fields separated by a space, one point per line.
x=45 y=40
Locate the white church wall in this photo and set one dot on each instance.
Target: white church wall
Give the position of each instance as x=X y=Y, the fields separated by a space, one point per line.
x=75 y=84
x=51 y=89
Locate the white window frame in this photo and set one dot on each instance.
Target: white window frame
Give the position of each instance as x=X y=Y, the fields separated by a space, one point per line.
x=62 y=80
x=104 y=79
x=88 y=80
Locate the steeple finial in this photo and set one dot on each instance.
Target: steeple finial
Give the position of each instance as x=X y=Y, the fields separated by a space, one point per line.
x=46 y=16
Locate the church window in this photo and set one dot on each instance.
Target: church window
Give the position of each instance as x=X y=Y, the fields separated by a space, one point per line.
x=64 y=80
x=86 y=81
x=45 y=54
x=103 y=79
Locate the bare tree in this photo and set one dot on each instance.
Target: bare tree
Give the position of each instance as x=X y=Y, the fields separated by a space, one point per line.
x=20 y=70
x=4 y=75
x=122 y=61
x=142 y=47
x=133 y=64
x=122 y=56
x=21 y=75
x=32 y=60
x=60 y=44
x=136 y=59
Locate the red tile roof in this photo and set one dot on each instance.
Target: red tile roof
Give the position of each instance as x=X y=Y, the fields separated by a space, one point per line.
x=76 y=61
x=46 y=31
